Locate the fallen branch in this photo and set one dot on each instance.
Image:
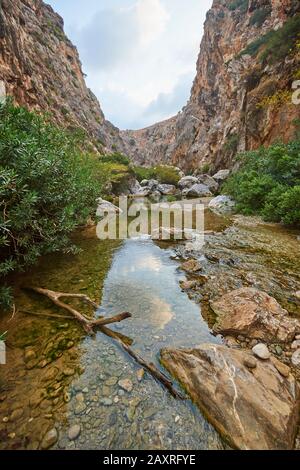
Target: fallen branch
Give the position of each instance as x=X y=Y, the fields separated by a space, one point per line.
x=154 y=371
x=106 y=331
x=90 y=326
x=47 y=315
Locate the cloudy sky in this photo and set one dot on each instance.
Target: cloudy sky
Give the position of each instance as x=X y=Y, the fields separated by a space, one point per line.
x=139 y=55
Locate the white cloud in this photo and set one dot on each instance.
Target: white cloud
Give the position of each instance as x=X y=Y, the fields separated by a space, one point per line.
x=140 y=55
x=152 y=19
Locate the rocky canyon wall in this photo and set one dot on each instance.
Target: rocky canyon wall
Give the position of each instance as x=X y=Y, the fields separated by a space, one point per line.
x=40 y=68
x=238 y=101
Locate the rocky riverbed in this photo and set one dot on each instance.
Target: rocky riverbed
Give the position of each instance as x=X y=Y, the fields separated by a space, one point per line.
x=246 y=280
x=65 y=391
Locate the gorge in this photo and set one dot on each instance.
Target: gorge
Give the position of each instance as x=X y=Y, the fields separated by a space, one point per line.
x=220 y=319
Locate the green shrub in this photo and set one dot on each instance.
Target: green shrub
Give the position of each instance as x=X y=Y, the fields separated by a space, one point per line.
x=6 y=298
x=259 y=16
x=232 y=143
x=167 y=174
x=115 y=158
x=143 y=173
x=163 y=173
x=268 y=183
x=47 y=188
x=241 y=5
x=205 y=169
x=276 y=45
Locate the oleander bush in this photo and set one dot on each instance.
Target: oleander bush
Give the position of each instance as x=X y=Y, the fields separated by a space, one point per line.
x=268 y=183
x=47 y=189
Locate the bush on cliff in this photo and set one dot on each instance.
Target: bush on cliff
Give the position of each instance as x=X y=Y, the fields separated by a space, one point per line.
x=163 y=173
x=268 y=183
x=47 y=189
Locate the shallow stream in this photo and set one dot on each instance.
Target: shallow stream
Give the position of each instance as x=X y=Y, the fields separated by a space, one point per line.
x=57 y=377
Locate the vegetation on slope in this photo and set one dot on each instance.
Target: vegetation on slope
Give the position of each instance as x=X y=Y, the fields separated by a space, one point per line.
x=275 y=45
x=162 y=173
x=268 y=183
x=47 y=189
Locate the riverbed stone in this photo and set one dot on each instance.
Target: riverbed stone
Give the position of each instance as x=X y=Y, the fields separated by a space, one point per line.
x=191 y=266
x=222 y=205
x=126 y=384
x=166 y=189
x=261 y=351
x=197 y=190
x=68 y=372
x=187 y=182
x=29 y=355
x=283 y=369
x=49 y=439
x=210 y=182
x=250 y=362
x=253 y=409
x=296 y=344
x=253 y=314
x=222 y=175
x=296 y=359
x=16 y=414
x=140 y=374
x=106 y=401
x=74 y=432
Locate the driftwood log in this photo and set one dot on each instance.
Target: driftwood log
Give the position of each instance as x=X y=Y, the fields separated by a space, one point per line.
x=91 y=326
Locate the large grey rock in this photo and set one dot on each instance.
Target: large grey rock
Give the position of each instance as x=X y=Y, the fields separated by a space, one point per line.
x=187 y=182
x=198 y=190
x=253 y=314
x=152 y=185
x=106 y=207
x=222 y=205
x=222 y=175
x=166 y=189
x=255 y=409
x=210 y=182
x=135 y=187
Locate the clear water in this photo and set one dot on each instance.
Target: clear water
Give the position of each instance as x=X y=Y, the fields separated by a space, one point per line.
x=75 y=380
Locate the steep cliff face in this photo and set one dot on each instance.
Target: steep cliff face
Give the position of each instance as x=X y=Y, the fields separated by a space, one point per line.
x=41 y=69
x=241 y=98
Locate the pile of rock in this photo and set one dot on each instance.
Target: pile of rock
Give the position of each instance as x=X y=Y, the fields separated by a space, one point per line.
x=248 y=387
x=154 y=189
x=190 y=187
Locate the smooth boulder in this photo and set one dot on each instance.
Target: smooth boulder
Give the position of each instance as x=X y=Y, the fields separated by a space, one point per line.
x=106 y=207
x=222 y=205
x=210 y=182
x=198 y=190
x=251 y=408
x=221 y=176
x=187 y=182
x=253 y=314
x=166 y=189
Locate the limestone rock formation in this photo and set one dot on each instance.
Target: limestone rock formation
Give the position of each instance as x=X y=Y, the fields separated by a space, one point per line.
x=253 y=408
x=238 y=102
x=40 y=68
x=254 y=314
